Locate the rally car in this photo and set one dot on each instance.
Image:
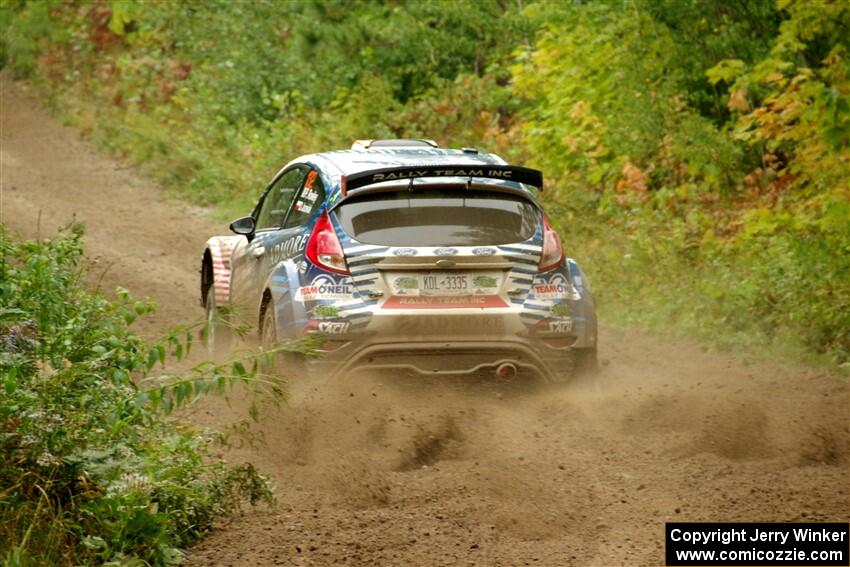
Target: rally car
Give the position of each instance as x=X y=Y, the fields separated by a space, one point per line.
x=406 y=257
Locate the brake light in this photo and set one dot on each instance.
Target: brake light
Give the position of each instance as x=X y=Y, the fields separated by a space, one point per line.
x=553 y=252
x=323 y=247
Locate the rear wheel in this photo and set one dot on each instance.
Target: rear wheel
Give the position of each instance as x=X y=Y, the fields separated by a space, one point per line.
x=288 y=362
x=582 y=364
x=268 y=337
x=218 y=333
x=586 y=361
x=268 y=328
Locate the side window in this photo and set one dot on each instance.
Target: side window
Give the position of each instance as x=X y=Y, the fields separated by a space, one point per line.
x=278 y=198
x=308 y=202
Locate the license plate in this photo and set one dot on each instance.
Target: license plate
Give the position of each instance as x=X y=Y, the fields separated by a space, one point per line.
x=444 y=283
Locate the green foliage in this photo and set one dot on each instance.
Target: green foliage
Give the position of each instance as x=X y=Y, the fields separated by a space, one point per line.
x=696 y=146
x=613 y=89
x=27 y=29
x=91 y=470
x=211 y=98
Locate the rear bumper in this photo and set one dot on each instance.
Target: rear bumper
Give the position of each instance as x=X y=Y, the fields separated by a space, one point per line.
x=537 y=324
x=442 y=358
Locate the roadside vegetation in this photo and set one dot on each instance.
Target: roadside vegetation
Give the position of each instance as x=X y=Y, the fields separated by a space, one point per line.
x=92 y=468
x=697 y=152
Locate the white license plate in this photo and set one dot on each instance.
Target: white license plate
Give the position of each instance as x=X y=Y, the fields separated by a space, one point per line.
x=444 y=283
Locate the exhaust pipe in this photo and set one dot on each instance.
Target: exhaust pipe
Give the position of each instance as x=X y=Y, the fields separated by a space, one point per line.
x=506 y=371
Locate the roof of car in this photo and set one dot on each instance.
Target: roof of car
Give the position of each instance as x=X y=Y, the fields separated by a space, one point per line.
x=342 y=163
x=346 y=162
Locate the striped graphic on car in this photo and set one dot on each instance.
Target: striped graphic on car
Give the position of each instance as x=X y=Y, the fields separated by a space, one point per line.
x=364 y=260
x=221 y=250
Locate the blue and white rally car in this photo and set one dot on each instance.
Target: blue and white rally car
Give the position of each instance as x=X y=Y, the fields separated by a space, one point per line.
x=407 y=257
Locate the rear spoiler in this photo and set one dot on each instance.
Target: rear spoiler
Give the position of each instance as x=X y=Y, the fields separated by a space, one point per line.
x=503 y=172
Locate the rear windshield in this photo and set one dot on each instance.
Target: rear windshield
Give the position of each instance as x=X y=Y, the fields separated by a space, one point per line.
x=438 y=217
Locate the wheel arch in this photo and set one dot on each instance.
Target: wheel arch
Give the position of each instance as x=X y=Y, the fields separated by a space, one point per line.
x=216 y=268
x=279 y=291
x=586 y=305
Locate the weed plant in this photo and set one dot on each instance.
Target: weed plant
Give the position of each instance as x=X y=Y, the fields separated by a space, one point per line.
x=92 y=468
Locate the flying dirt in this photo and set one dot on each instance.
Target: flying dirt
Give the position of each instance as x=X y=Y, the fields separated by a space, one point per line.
x=375 y=472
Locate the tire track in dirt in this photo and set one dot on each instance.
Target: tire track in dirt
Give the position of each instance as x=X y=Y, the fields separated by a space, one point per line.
x=136 y=237
x=370 y=472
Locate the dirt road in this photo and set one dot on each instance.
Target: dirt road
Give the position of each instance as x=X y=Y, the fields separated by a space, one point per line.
x=373 y=474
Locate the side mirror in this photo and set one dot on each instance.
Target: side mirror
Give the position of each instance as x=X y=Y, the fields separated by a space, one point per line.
x=243 y=226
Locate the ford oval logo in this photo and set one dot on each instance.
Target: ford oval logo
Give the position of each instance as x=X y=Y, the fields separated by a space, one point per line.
x=483 y=251
x=445 y=251
x=405 y=252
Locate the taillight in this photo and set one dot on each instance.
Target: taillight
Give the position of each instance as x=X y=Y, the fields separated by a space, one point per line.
x=553 y=253
x=324 y=249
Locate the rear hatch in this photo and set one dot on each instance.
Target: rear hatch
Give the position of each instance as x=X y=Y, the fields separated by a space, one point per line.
x=444 y=248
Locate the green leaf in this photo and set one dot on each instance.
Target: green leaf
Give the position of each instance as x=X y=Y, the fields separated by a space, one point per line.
x=728 y=70
x=10 y=382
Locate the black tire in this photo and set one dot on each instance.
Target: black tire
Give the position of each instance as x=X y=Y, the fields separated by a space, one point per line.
x=581 y=365
x=217 y=333
x=268 y=328
x=288 y=363
x=586 y=362
x=271 y=364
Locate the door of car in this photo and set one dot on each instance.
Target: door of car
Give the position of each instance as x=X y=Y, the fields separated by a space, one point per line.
x=251 y=260
x=297 y=229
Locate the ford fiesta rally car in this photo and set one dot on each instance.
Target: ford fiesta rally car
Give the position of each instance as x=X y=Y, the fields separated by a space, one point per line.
x=409 y=257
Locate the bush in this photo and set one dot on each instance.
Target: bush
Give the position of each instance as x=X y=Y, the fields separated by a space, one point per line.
x=91 y=470
x=709 y=195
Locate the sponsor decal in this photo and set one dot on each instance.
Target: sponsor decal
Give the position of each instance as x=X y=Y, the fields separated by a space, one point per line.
x=484 y=251
x=408 y=174
x=562 y=326
x=325 y=312
x=405 y=252
x=437 y=324
x=444 y=302
x=325 y=287
x=546 y=327
x=560 y=310
x=307 y=199
x=288 y=248
x=311 y=178
x=445 y=251
x=333 y=327
x=484 y=281
x=557 y=287
x=406 y=285
x=505 y=172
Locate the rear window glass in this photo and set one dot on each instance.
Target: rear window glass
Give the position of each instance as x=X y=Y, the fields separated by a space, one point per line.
x=438 y=217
